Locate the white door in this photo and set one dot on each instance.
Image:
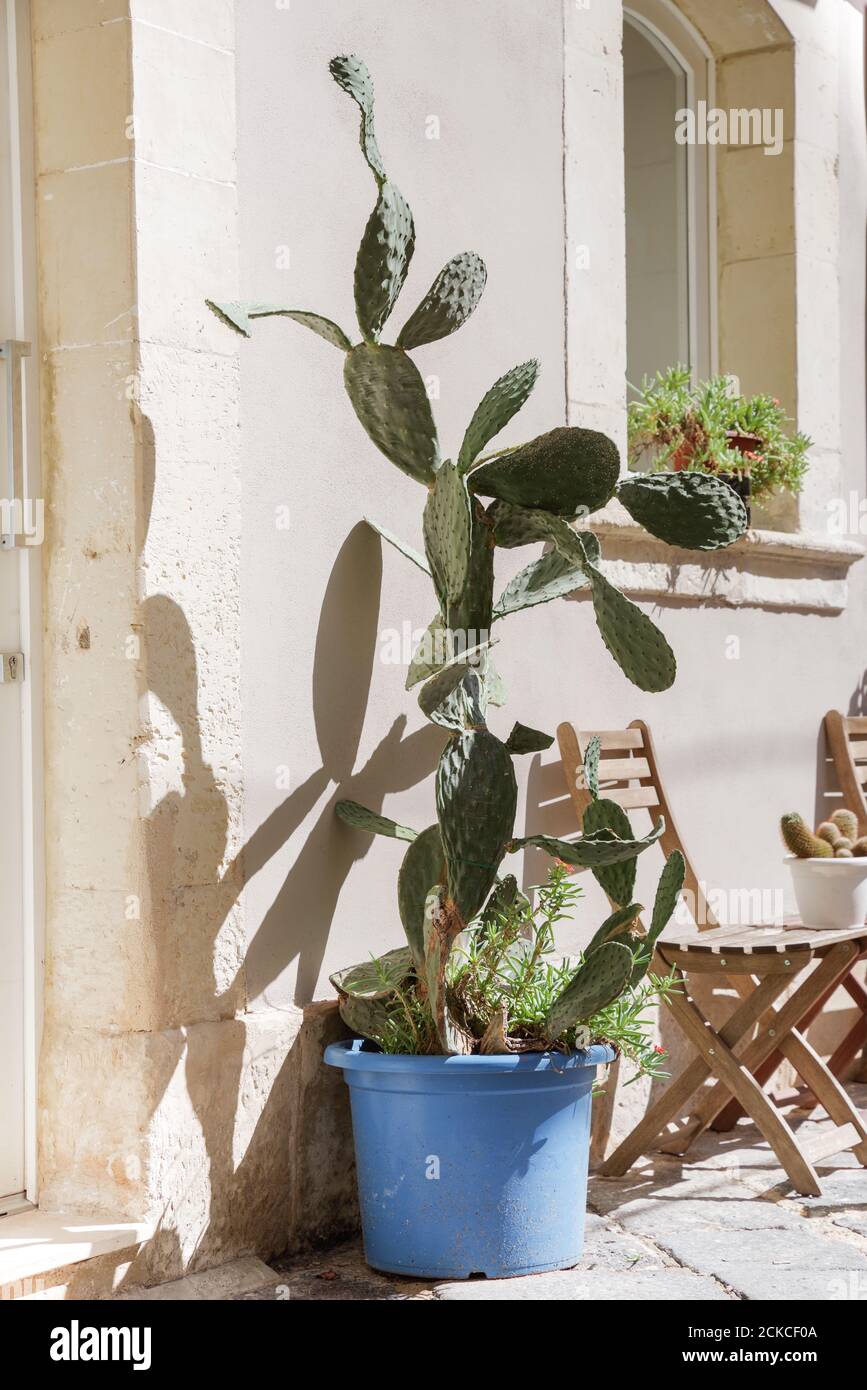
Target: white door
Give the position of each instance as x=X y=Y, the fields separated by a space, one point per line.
x=20 y=528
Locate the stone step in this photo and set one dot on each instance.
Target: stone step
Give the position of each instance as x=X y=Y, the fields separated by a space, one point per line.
x=66 y=1254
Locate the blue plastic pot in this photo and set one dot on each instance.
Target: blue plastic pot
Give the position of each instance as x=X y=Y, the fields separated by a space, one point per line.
x=470 y=1165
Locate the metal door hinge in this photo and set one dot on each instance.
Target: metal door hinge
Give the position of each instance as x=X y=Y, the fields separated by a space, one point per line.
x=11 y=667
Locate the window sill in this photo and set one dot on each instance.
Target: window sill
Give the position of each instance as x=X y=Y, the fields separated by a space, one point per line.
x=795 y=571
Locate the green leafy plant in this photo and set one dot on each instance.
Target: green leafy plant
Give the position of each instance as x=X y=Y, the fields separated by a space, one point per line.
x=517 y=496
x=674 y=424
x=506 y=985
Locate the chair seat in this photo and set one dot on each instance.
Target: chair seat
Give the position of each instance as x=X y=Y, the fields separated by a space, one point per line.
x=791 y=935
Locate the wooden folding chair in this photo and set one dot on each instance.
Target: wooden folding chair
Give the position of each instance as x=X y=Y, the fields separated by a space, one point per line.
x=758 y=962
x=846 y=740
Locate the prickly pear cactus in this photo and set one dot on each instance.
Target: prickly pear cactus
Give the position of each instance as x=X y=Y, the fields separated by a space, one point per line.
x=520 y=495
x=477 y=796
x=563 y=472
x=595 y=984
x=691 y=510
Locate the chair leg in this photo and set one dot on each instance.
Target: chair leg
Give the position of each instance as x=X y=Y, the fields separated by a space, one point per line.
x=740 y=1081
x=826 y=1088
x=691 y=1078
x=728 y=1118
x=837 y=1064
x=775 y=1026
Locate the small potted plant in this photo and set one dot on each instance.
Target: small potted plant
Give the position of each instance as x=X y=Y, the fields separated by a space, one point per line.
x=471 y=1095
x=711 y=428
x=829 y=870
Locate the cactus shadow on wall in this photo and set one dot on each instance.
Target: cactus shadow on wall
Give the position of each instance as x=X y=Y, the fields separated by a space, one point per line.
x=299 y=918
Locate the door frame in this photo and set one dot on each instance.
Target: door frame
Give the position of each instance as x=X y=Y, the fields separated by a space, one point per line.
x=15 y=14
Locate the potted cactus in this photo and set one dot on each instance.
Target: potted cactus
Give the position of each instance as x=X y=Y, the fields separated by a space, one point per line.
x=829 y=870
x=471 y=1122
x=710 y=428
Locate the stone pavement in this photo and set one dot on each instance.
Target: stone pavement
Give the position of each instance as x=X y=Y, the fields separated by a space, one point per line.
x=727 y=1225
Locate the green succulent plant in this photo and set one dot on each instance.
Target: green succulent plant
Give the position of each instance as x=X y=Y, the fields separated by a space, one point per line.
x=514 y=497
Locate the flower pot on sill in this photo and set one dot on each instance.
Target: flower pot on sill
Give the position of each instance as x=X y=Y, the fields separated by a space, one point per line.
x=831 y=893
x=470 y=1165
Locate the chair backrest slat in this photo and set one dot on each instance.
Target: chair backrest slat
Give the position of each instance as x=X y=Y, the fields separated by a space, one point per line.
x=617 y=782
x=848 y=748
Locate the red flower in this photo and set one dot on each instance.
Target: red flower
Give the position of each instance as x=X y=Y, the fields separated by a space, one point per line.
x=662 y=1051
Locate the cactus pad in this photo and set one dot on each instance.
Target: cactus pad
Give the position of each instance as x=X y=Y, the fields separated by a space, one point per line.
x=423 y=867
x=447 y=532
x=352 y=74
x=591 y=766
x=636 y=643
x=369 y=1017
x=361 y=819
x=616 y=927
x=505 y=896
x=552 y=576
x=375 y=979
x=563 y=472
x=524 y=740
x=431 y=654
x=590 y=851
x=667 y=892
x=436 y=691
x=617 y=880
x=800 y=840
x=389 y=398
x=496 y=409
x=470 y=613
x=691 y=510
x=448 y=303
x=383 y=260
x=596 y=984
x=477 y=798
x=240 y=316
x=405 y=550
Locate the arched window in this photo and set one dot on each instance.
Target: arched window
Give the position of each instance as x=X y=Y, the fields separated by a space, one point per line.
x=670 y=283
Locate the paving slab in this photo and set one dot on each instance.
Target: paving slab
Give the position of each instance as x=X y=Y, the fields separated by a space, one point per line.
x=223 y=1283
x=584 y=1286
x=768 y=1263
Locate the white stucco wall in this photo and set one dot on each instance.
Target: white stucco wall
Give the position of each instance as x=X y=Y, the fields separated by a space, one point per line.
x=738 y=737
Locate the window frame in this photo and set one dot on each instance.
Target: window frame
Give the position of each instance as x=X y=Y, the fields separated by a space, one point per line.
x=664 y=26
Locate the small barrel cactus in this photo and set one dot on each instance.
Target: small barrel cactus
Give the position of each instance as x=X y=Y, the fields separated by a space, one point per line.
x=801 y=841
x=859 y=849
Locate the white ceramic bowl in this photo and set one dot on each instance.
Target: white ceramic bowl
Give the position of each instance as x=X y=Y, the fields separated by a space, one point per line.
x=831 y=893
